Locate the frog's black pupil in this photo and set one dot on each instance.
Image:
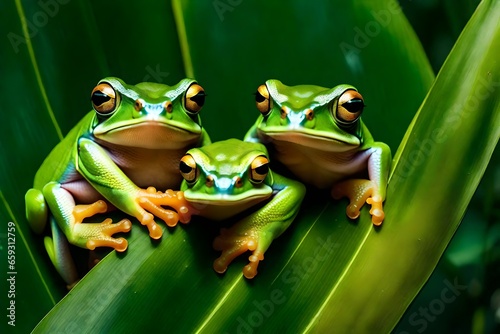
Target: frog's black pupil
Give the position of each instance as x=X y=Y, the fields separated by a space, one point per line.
x=185 y=168
x=99 y=98
x=354 y=105
x=259 y=98
x=262 y=169
x=199 y=98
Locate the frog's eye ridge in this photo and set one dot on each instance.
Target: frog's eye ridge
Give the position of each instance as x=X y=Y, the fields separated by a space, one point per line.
x=195 y=98
x=262 y=100
x=188 y=169
x=259 y=169
x=104 y=99
x=349 y=107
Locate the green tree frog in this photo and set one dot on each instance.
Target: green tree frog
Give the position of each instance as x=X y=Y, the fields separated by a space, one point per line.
x=132 y=139
x=227 y=178
x=317 y=133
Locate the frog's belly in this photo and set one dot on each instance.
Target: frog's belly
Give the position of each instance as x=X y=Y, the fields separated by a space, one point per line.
x=319 y=167
x=82 y=191
x=156 y=168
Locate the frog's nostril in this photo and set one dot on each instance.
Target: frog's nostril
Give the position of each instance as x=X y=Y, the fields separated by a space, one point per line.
x=238 y=182
x=139 y=104
x=309 y=114
x=168 y=106
x=209 y=182
x=284 y=112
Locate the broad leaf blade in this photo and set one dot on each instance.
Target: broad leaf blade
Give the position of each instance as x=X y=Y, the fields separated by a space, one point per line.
x=440 y=166
x=52 y=55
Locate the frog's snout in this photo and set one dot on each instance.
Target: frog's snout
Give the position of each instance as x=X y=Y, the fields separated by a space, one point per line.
x=151 y=109
x=226 y=184
x=297 y=119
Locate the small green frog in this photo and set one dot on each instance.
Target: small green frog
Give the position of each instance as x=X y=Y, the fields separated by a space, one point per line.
x=229 y=177
x=317 y=133
x=132 y=139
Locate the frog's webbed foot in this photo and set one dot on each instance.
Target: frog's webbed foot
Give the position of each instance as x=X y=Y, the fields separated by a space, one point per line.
x=100 y=234
x=92 y=235
x=360 y=191
x=233 y=244
x=154 y=202
x=82 y=211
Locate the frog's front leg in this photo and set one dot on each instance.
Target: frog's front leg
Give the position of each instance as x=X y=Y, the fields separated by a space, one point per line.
x=154 y=202
x=371 y=191
x=95 y=164
x=68 y=218
x=256 y=232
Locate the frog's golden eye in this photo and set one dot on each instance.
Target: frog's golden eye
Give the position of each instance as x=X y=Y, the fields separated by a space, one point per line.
x=349 y=107
x=195 y=98
x=262 y=100
x=104 y=99
x=188 y=168
x=259 y=169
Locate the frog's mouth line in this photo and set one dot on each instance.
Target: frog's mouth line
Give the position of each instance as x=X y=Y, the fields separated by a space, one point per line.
x=319 y=139
x=149 y=134
x=225 y=200
x=150 y=122
x=213 y=207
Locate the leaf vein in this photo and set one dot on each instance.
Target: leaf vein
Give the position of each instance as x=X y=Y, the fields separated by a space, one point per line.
x=32 y=258
x=219 y=304
x=22 y=17
x=301 y=241
x=337 y=283
x=184 y=44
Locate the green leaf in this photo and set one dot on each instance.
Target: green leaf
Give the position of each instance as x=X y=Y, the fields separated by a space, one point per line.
x=456 y=131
